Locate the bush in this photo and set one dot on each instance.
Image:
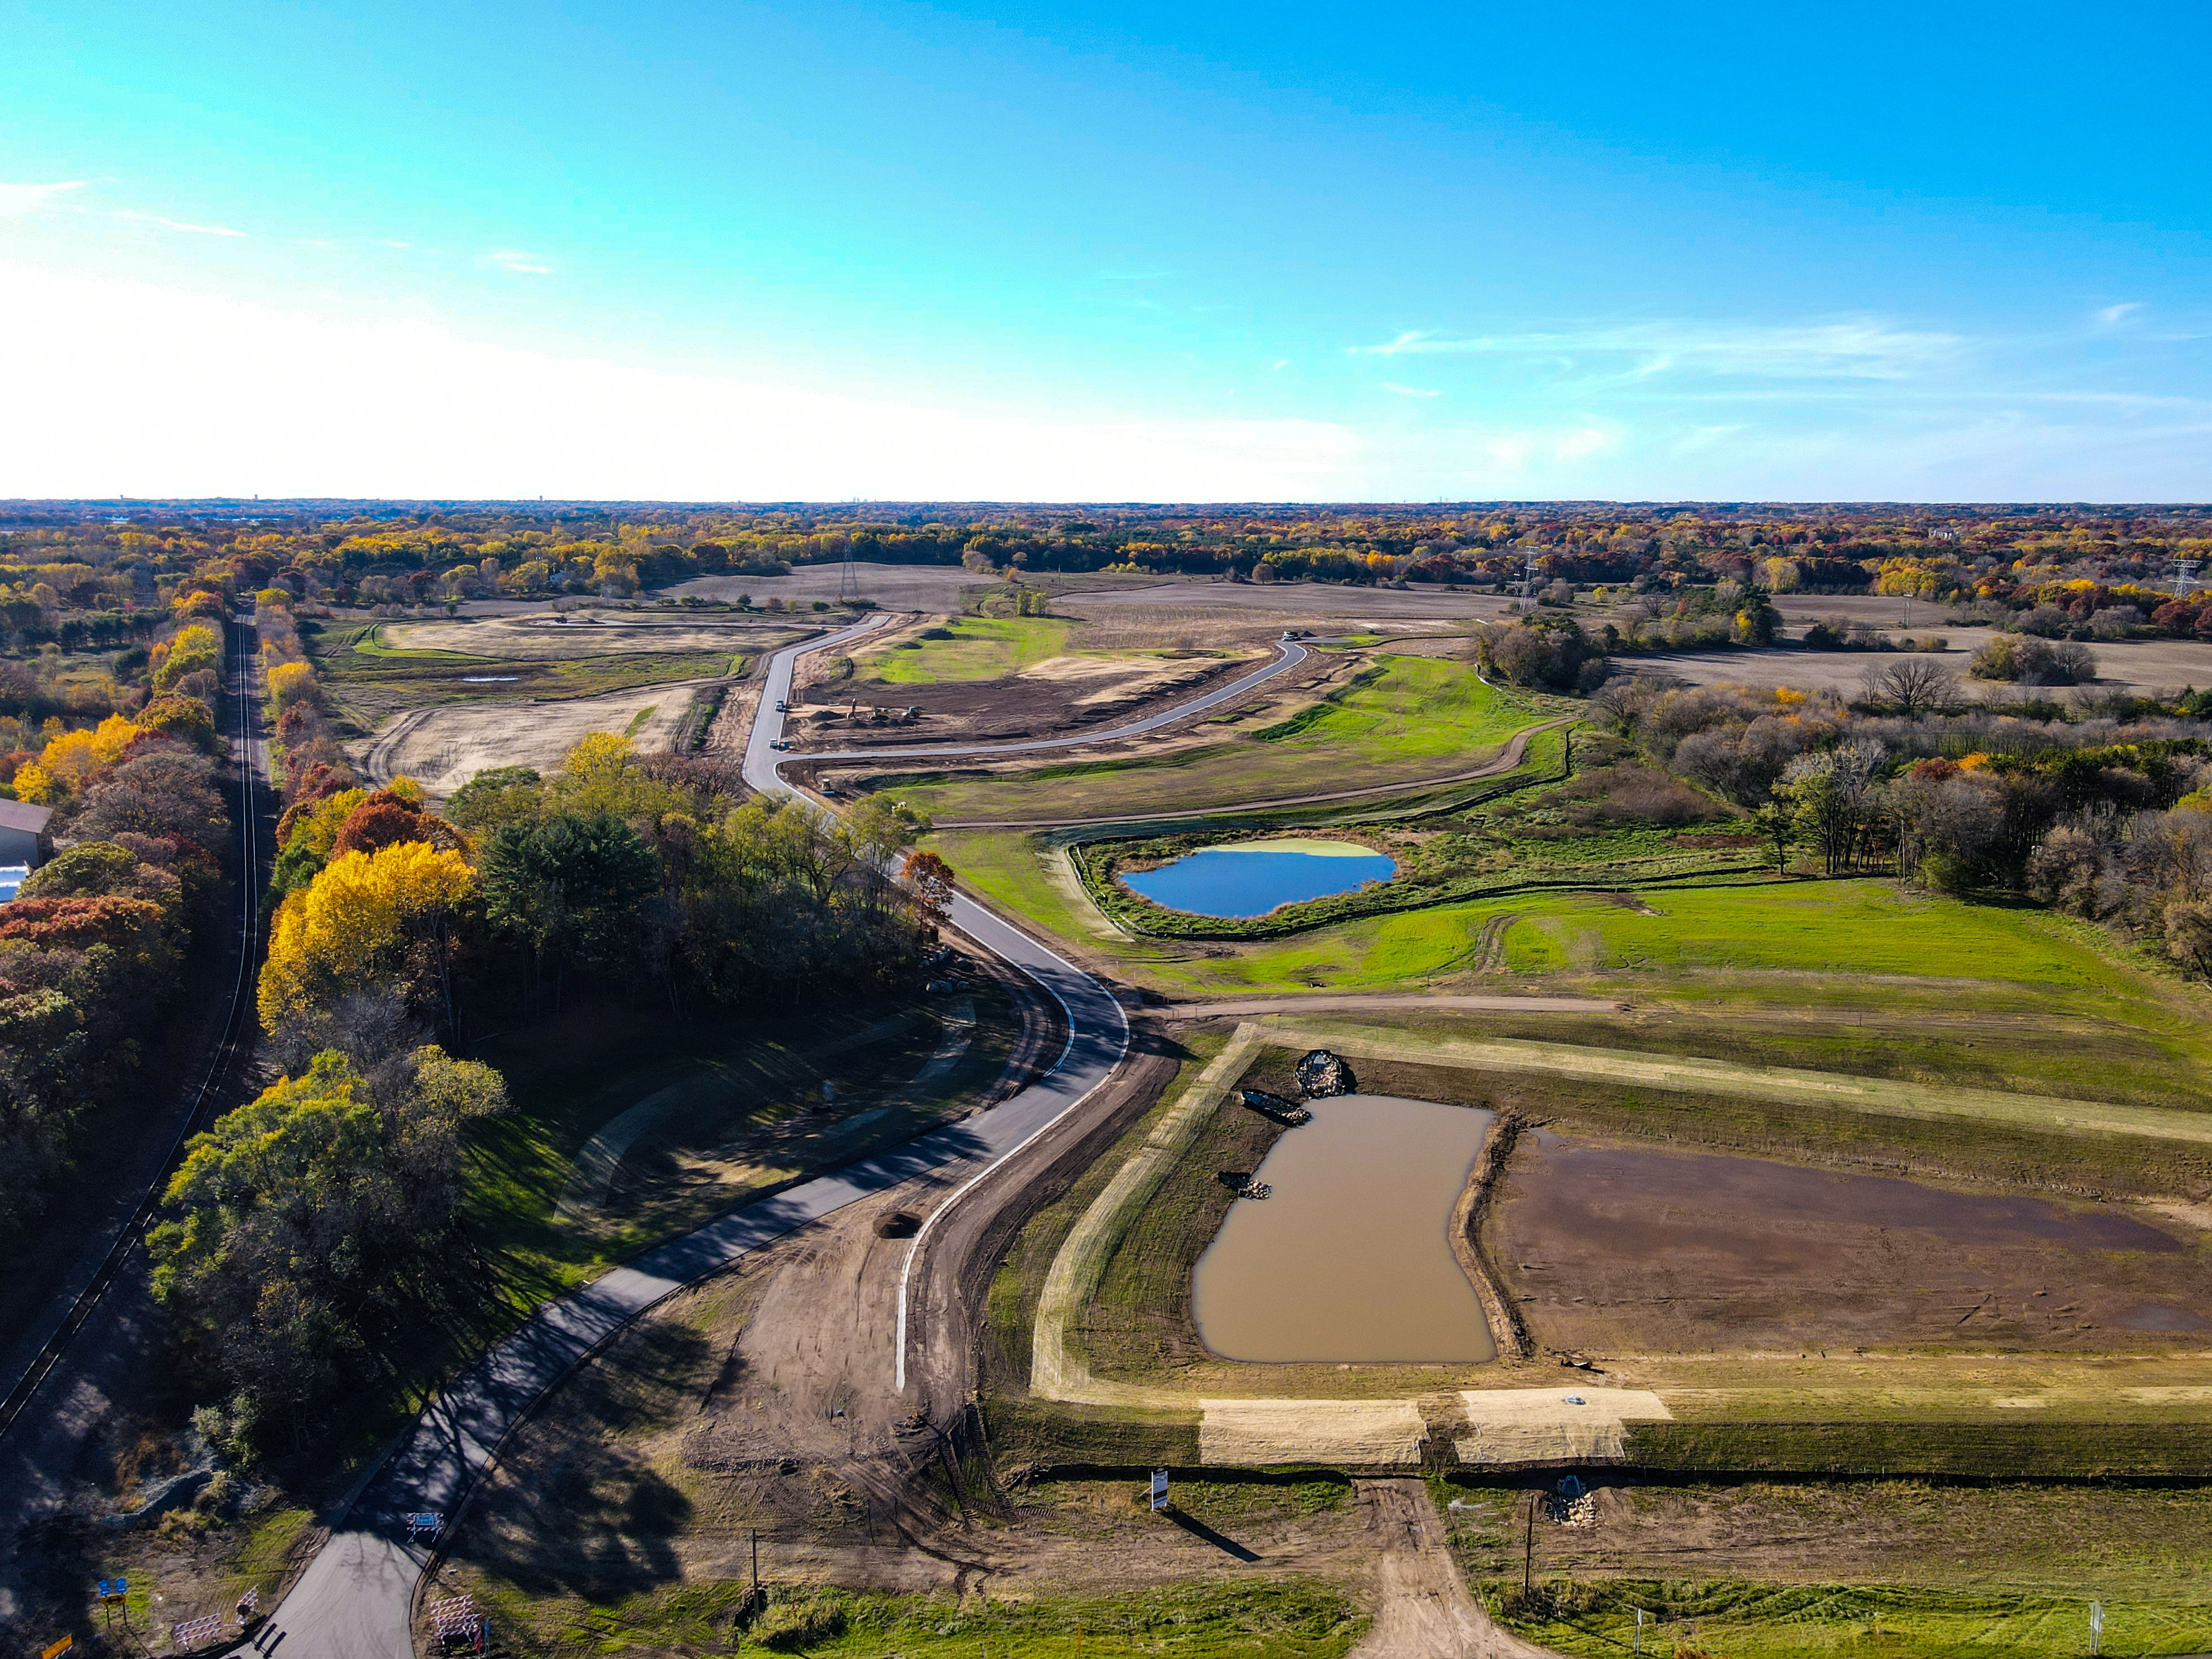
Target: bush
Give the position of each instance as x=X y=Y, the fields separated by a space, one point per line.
x=2027 y=660
x=1552 y=651
x=187 y=719
x=787 y=1627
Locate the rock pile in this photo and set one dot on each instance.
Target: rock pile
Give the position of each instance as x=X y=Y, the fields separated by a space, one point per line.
x=1322 y=1073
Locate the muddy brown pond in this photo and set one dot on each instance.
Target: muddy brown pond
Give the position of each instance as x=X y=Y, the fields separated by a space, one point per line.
x=1351 y=1257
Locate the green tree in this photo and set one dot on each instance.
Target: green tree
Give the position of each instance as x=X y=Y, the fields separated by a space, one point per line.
x=570 y=887
x=307 y=1231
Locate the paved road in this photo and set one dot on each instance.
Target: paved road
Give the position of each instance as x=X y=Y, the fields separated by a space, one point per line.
x=1291 y=654
x=355 y=1598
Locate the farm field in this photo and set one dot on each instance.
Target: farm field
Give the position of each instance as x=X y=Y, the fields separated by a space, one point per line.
x=1402 y=720
x=444 y=745
x=965 y=648
x=561 y=636
x=1890 y=1567
x=370 y=681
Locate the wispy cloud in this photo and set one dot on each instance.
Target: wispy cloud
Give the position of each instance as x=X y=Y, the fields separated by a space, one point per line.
x=2113 y=316
x=167 y=224
x=19 y=199
x=516 y=260
x=15 y=199
x=1857 y=349
x=1410 y=391
x=1574 y=446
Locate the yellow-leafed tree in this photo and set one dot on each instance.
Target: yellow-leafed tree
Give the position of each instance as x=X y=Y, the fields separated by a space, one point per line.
x=290 y=683
x=376 y=918
x=72 y=757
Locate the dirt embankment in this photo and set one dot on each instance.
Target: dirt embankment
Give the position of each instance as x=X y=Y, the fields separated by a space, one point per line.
x=1507 y=1329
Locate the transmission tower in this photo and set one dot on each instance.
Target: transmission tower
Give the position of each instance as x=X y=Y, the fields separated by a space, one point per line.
x=848 y=579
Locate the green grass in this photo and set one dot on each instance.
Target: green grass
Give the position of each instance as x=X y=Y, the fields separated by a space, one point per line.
x=1844 y=927
x=1443 y=869
x=1840 y=929
x=1789 y=1621
x=1285 y=1618
x=1853 y=976
x=968 y=649
x=569 y=1078
x=1405 y=720
x=369 y=642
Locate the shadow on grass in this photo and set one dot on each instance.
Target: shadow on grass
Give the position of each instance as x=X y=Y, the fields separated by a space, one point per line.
x=1198 y=1528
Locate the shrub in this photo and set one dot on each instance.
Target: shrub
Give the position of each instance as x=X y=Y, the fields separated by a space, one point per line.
x=2027 y=661
x=186 y=718
x=1544 y=651
x=787 y=1627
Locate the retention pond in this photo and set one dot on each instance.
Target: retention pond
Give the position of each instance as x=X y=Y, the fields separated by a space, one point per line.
x=1251 y=878
x=1351 y=1258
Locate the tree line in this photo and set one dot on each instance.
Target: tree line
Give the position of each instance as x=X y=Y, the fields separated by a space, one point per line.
x=93 y=947
x=312 y=1231
x=2108 y=818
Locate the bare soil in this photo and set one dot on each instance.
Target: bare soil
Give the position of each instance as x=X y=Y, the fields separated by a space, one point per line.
x=1041 y=708
x=441 y=747
x=2090 y=1539
x=1612 y=1249
x=559 y=636
x=761 y=1403
x=1060 y=697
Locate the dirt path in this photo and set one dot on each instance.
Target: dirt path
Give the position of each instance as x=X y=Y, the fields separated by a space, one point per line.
x=1245 y=1007
x=1505 y=762
x=1424 y=1609
x=1880 y=1095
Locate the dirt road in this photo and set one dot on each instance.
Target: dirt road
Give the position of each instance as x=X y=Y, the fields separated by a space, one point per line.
x=1424 y=1609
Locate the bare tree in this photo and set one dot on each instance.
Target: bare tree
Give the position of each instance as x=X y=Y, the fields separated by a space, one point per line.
x=1913 y=685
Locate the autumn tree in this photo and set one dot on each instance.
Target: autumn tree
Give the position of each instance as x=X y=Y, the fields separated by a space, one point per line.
x=306 y=1232
x=385 y=918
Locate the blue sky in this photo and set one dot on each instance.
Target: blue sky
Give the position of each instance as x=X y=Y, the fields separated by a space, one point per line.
x=1137 y=252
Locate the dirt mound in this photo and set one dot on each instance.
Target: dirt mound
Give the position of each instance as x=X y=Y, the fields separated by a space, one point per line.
x=1320 y=1072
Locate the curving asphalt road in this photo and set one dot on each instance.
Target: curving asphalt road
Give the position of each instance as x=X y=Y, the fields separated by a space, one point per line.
x=1293 y=653
x=355 y=1598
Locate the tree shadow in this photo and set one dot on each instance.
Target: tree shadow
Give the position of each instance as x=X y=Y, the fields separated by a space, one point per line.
x=587 y=1519
x=1198 y=1528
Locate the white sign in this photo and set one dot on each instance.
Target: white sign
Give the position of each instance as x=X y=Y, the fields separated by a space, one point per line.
x=1159 y=1489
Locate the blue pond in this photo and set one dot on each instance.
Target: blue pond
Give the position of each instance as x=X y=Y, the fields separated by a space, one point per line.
x=1252 y=877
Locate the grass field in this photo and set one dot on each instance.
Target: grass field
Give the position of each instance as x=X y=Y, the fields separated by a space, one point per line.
x=371 y=680
x=966 y=649
x=1596 y=1618
x=1281 y=1617
x=568 y=1079
x=1860 y=939
x=1403 y=719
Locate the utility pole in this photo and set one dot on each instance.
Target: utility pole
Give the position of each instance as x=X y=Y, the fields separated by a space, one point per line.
x=1528 y=1551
